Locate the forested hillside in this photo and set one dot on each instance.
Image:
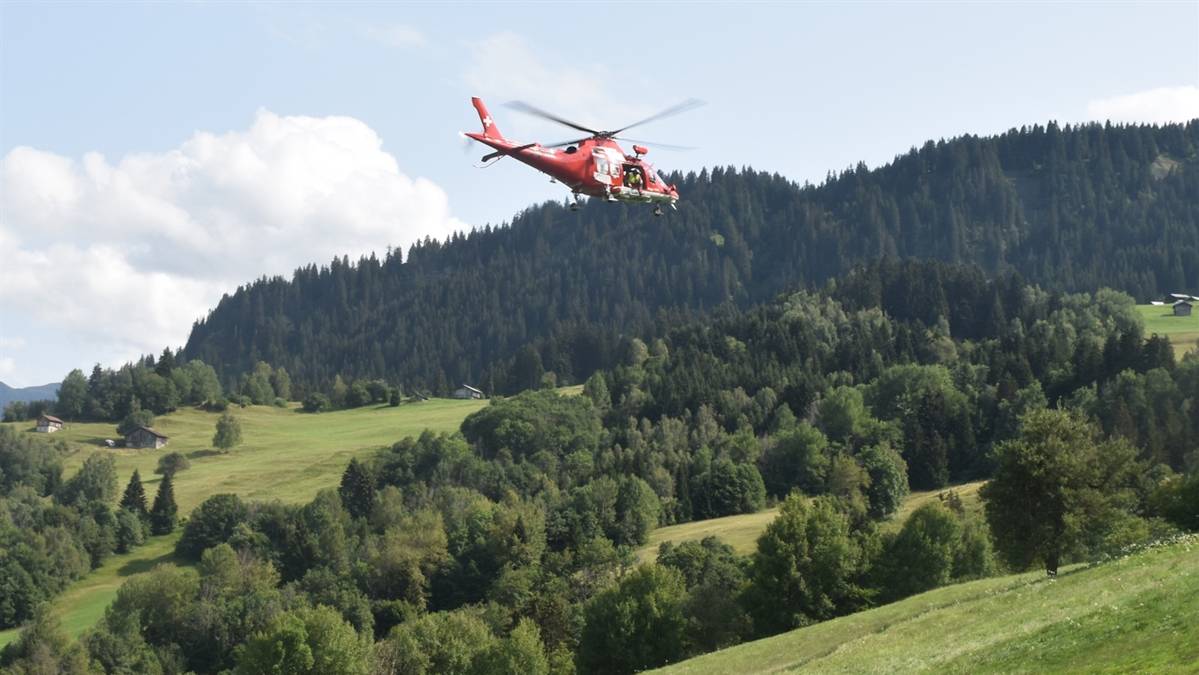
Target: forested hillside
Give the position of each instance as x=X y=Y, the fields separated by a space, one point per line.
x=1070 y=209
x=508 y=546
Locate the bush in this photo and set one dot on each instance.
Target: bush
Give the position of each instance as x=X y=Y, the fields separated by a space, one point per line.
x=637 y=625
x=172 y=463
x=1177 y=500
x=135 y=419
x=212 y=523
x=217 y=405
x=316 y=402
x=280 y=402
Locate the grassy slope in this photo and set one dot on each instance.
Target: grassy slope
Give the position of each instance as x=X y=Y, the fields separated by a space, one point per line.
x=741 y=531
x=1136 y=614
x=286 y=455
x=1183 y=331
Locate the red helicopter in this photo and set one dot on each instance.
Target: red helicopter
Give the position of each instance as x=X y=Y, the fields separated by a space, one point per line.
x=593 y=165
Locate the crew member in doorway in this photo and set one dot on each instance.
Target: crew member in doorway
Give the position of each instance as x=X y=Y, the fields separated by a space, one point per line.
x=633 y=178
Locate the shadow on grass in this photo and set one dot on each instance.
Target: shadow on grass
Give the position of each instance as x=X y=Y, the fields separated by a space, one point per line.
x=206 y=452
x=145 y=565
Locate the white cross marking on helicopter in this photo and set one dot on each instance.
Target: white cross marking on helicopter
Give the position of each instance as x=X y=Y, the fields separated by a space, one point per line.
x=487 y=121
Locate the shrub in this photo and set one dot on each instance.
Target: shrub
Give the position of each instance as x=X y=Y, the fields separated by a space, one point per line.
x=316 y=402
x=172 y=463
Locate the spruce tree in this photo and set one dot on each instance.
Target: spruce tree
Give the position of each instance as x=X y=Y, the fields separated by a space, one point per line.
x=134 y=498
x=357 y=490
x=164 y=513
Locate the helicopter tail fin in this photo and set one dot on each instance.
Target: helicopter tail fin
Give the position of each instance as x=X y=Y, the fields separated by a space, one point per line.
x=490 y=130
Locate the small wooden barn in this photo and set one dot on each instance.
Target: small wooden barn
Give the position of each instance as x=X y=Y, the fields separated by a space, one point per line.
x=467 y=392
x=1182 y=308
x=145 y=437
x=48 y=424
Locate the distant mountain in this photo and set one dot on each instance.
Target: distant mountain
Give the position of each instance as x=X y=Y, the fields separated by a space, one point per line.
x=9 y=394
x=1068 y=208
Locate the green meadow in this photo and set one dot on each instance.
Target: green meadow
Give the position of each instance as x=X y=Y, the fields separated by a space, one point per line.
x=742 y=531
x=286 y=454
x=1135 y=614
x=1183 y=331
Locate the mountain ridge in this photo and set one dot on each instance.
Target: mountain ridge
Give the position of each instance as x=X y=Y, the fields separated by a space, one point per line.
x=1070 y=208
x=8 y=393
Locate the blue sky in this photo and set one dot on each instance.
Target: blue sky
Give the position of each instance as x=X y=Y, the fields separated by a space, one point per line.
x=156 y=155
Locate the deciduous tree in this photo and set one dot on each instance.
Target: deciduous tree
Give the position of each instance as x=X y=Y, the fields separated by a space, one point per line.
x=228 y=432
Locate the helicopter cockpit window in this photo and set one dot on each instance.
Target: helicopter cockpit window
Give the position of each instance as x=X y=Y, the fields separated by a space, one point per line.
x=601 y=162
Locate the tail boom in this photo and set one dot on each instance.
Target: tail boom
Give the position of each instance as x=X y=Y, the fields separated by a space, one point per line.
x=490 y=130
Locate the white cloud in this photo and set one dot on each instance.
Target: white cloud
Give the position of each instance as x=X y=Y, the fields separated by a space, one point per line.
x=1161 y=105
x=11 y=343
x=6 y=365
x=123 y=256
x=396 y=35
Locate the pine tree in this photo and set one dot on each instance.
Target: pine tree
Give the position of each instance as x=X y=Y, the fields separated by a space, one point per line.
x=357 y=490
x=164 y=513
x=134 y=498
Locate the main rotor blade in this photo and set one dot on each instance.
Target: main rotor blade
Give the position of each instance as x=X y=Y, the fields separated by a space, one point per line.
x=538 y=112
x=689 y=104
x=566 y=143
x=664 y=146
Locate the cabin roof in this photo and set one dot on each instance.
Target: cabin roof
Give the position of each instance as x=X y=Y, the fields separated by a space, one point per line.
x=151 y=431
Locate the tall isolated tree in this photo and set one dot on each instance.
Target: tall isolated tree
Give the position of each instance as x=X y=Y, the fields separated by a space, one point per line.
x=357 y=490
x=95 y=481
x=134 y=498
x=339 y=392
x=281 y=382
x=72 y=395
x=164 y=514
x=596 y=389
x=1057 y=490
x=258 y=384
x=228 y=432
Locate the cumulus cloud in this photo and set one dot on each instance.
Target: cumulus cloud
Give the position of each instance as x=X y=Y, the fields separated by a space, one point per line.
x=396 y=35
x=1154 y=106
x=125 y=255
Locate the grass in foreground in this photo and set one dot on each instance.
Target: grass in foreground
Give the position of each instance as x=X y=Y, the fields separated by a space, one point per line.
x=1183 y=331
x=84 y=602
x=742 y=531
x=1135 y=614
